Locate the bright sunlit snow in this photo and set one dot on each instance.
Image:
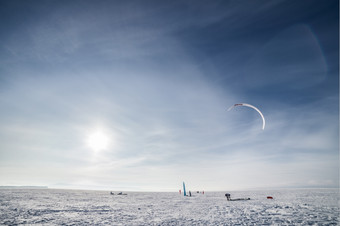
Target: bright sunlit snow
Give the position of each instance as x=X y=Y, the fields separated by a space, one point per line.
x=67 y=207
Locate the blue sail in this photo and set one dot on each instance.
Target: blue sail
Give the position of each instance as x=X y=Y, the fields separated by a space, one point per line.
x=185 y=193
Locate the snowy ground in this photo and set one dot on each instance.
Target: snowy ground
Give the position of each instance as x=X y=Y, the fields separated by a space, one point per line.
x=72 y=207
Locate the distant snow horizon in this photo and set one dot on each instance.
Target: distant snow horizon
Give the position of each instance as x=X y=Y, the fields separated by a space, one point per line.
x=24 y=187
x=189 y=189
x=166 y=190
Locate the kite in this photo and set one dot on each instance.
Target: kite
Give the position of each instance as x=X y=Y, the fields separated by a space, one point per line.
x=253 y=107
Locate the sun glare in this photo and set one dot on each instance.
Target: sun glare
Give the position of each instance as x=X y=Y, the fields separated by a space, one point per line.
x=98 y=141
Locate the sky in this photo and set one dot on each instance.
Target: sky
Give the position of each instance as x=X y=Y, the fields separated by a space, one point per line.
x=133 y=95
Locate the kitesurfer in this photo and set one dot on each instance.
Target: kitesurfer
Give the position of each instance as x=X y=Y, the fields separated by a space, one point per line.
x=227 y=195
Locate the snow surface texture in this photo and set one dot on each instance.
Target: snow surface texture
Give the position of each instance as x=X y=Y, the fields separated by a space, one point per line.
x=72 y=207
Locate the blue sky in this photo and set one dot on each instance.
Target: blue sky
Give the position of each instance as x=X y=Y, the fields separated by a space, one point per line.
x=155 y=79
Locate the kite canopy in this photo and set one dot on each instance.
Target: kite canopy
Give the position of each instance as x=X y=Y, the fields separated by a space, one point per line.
x=253 y=107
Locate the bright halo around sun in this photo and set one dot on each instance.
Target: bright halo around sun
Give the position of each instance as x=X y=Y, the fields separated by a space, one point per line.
x=98 y=141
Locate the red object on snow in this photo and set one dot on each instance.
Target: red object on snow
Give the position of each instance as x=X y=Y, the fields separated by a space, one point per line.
x=269 y=197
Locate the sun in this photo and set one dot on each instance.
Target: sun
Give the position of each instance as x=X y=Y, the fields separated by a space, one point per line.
x=98 y=141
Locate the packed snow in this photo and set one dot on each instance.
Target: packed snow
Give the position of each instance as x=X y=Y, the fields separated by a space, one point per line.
x=79 y=207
